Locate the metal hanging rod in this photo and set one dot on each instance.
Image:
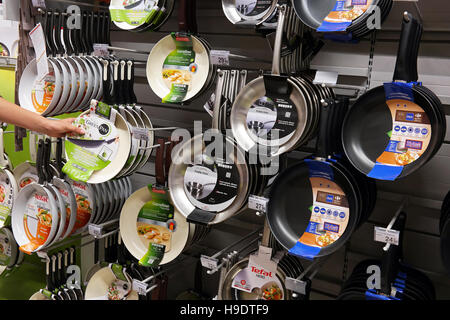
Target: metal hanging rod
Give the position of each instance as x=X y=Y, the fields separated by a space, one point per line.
x=45 y=12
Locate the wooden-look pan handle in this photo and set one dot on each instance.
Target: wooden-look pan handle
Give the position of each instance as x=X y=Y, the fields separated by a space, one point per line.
x=183 y=16
x=408 y=51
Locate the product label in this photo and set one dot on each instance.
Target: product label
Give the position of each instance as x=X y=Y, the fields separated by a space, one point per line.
x=343 y=14
x=329 y=214
x=6 y=197
x=178 y=68
x=5 y=250
x=268 y=116
x=28 y=177
x=97 y=147
x=84 y=200
x=156 y=225
x=37 y=221
x=259 y=280
x=42 y=92
x=212 y=185
x=134 y=12
x=410 y=135
x=250 y=8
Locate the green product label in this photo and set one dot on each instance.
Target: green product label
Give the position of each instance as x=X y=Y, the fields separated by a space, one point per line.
x=47 y=294
x=154 y=255
x=96 y=148
x=178 y=68
x=4 y=212
x=135 y=13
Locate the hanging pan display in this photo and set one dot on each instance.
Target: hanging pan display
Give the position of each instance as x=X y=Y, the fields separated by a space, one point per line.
x=342 y=16
x=315 y=205
x=9 y=251
x=8 y=186
x=26 y=173
x=248 y=12
x=275 y=101
x=179 y=66
x=35 y=218
x=393 y=130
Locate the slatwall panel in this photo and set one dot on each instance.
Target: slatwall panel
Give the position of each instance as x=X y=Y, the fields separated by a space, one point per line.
x=425 y=188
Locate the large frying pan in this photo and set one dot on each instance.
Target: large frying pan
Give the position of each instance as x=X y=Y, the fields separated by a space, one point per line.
x=369 y=123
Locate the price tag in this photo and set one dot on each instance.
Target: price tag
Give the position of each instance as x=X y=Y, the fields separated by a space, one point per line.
x=326 y=77
x=140 y=287
x=38 y=3
x=208 y=262
x=95 y=230
x=37 y=38
x=140 y=133
x=101 y=49
x=258 y=203
x=387 y=236
x=296 y=285
x=220 y=57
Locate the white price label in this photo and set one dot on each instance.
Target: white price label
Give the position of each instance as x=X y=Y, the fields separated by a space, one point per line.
x=38 y=40
x=220 y=57
x=208 y=262
x=258 y=203
x=140 y=133
x=95 y=230
x=326 y=77
x=140 y=287
x=387 y=236
x=38 y=3
x=101 y=49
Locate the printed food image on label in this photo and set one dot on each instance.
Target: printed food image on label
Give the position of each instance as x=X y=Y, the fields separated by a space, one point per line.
x=6 y=197
x=251 y=8
x=272 y=120
x=212 y=185
x=37 y=221
x=178 y=68
x=343 y=14
x=329 y=218
x=26 y=180
x=84 y=204
x=5 y=250
x=43 y=91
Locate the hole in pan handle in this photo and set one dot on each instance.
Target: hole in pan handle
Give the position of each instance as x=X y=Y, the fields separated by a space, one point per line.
x=408 y=50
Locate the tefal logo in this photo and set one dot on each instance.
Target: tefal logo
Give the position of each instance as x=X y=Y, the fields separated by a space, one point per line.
x=261 y=272
x=79 y=185
x=41 y=198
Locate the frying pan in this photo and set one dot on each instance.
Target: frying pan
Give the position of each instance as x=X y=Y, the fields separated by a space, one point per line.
x=165 y=47
x=337 y=210
x=237 y=12
x=275 y=87
x=9 y=250
x=4 y=52
x=149 y=6
x=36 y=196
x=366 y=124
x=8 y=186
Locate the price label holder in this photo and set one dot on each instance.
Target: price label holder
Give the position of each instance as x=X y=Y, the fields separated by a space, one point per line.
x=140 y=287
x=326 y=77
x=38 y=3
x=388 y=236
x=140 y=133
x=95 y=230
x=208 y=262
x=258 y=203
x=220 y=57
x=296 y=285
x=101 y=49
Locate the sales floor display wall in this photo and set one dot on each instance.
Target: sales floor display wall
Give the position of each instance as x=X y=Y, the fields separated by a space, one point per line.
x=424 y=189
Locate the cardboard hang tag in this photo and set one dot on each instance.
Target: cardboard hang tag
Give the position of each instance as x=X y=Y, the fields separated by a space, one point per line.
x=38 y=40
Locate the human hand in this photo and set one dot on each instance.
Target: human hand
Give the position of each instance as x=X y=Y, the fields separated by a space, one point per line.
x=61 y=128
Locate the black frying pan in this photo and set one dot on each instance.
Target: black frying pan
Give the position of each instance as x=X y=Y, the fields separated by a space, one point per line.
x=291 y=198
x=366 y=125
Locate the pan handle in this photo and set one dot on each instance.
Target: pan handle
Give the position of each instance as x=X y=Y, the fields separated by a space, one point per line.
x=408 y=51
x=39 y=164
x=183 y=16
x=192 y=16
x=159 y=163
x=278 y=40
x=323 y=137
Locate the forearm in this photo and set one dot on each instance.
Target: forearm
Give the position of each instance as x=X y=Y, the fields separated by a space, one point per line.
x=13 y=114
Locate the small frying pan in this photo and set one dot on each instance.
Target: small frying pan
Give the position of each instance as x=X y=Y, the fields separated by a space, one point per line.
x=370 y=120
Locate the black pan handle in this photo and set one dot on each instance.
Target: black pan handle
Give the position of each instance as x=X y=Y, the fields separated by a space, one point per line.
x=408 y=51
x=159 y=162
x=107 y=29
x=59 y=162
x=183 y=16
x=66 y=37
x=39 y=162
x=192 y=16
x=46 y=159
x=57 y=32
x=323 y=137
x=133 y=98
x=48 y=33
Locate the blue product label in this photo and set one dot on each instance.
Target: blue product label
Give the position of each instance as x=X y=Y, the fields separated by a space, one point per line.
x=343 y=14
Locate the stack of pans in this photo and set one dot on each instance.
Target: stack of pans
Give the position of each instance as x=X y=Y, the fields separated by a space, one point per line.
x=277 y=111
x=288 y=266
x=414 y=284
x=210 y=185
x=157 y=12
x=321 y=200
x=444 y=228
x=312 y=13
